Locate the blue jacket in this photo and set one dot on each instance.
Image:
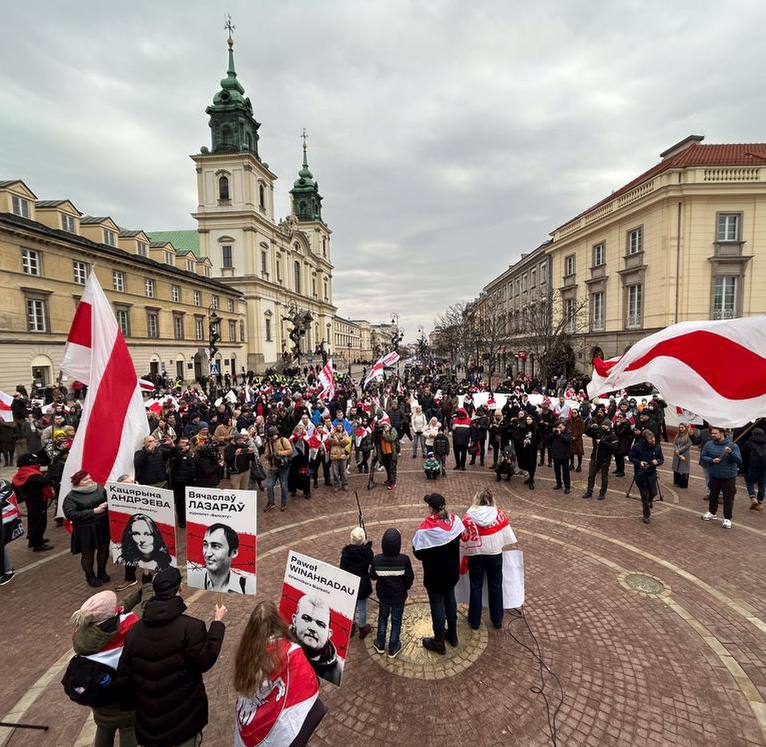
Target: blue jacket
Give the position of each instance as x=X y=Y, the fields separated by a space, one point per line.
x=727 y=467
x=642 y=452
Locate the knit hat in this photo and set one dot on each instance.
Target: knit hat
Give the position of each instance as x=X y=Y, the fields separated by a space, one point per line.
x=99 y=607
x=77 y=479
x=166 y=582
x=357 y=535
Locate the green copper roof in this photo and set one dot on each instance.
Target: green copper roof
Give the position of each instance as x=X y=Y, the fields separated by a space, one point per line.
x=183 y=241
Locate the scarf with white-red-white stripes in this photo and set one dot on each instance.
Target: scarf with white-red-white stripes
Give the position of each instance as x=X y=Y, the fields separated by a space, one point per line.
x=110 y=654
x=435 y=531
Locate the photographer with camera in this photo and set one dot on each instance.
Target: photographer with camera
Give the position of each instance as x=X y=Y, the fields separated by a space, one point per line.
x=645 y=456
x=238 y=456
x=604 y=443
x=386 y=442
x=561 y=441
x=278 y=454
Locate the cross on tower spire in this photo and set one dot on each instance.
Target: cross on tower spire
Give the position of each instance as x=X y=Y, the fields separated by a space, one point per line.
x=229 y=26
x=304 y=136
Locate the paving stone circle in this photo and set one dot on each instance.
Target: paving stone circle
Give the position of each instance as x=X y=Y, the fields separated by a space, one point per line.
x=645 y=584
x=416 y=662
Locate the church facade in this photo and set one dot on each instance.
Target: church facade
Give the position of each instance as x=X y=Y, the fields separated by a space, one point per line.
x=280 y=267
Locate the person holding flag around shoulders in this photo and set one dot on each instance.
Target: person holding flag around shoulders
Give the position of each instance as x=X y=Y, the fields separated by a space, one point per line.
x=436 y=545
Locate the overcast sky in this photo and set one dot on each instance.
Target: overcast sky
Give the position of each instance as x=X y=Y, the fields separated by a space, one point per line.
x=447 y=137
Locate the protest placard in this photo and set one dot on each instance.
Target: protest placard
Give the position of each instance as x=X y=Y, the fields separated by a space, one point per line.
x=142 y=525
x=318 y=602
x=221 y=539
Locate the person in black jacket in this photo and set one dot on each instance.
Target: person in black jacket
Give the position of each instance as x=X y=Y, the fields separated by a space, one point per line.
x=393 y=574
x=561 y=442
x=150 y=462
x=479 y=428
x=356 y=558
x=529 y=435
x=161 y=667
x=437 y=546
x=645 y=456
x=604 y=444
x=623 y=430
x=181 y=474
x=546 y=420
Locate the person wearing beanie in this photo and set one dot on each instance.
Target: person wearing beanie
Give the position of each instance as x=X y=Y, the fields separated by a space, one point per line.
x=100 y=628
x=461 y=436
x=160 y=670
x=85 y=506
x=34 y=488
x=356 y=558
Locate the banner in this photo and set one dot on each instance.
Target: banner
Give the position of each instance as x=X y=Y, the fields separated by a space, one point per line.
x=513 y=583
x=318 y=602
x=142 y=525
x=221 y=539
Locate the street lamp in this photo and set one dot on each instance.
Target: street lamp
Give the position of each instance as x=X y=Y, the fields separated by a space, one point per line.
x=349 y=359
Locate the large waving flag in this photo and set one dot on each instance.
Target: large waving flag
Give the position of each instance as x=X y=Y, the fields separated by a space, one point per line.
x=6 y=413
x=327 y=381
x=376 y=372
x=716 y=369
x=113 y=423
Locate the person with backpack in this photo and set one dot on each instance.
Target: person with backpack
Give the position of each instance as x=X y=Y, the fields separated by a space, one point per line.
x=98 y=638
x=356 y=558
x=161 y=667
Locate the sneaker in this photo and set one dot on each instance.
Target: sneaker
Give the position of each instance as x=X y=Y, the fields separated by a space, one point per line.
x=269 y=507
x=567 y=491
x=646 y=519
x=601 y=496
x=393 y=654
x=379 y=649
x=557 y=487
x=726 y=523
x=125 y=585
x=7 y=578
x=587 y=494
x=707 y=516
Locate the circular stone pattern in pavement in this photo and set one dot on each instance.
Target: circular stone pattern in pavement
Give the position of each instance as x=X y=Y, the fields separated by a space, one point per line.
x=643 y=583
x=417 y=662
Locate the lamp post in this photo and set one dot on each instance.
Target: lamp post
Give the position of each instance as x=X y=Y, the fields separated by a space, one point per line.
x=349 y=359
x=396 y=337
x=214 y=335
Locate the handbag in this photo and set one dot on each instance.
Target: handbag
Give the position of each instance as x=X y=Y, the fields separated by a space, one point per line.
x=257 y=472
x=473 y=449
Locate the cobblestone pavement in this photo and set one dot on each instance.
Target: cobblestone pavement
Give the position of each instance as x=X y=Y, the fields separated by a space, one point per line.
x=657 y=633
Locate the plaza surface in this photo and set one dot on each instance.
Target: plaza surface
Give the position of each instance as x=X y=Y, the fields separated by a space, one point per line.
x=657 y=633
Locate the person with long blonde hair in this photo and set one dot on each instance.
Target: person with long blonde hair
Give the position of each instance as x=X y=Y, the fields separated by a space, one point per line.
x=278 y=691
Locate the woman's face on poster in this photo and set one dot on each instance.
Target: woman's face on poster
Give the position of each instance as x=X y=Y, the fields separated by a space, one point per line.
x=143 y=537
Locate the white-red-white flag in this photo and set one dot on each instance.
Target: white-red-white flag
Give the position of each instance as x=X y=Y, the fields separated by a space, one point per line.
x=327 y=381
x=6 y=414
x=716 y=369
x=386 y=361
x=146 y=386
x=113 y=422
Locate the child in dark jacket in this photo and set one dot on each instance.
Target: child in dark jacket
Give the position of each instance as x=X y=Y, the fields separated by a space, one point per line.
x=393 y=573
x=356 y=558
x=441 y=448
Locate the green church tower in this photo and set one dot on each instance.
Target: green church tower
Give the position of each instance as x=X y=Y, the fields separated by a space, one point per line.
x=307 y=202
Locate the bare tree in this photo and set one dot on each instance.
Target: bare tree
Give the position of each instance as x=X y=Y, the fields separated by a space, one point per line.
x=451 y=333
x=546 y=327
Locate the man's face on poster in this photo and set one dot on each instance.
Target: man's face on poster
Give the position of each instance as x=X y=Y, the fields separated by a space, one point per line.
x=311 y=622
x=216 y=552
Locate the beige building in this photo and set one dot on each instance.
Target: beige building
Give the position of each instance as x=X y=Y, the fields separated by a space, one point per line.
x=685 y=240
x=161 y=299
x=347 y=339
x=274 y=264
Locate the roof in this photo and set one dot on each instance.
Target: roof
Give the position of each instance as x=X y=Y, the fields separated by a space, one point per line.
x=183 y=241
x=696 y=154
x=150 y=264
x=49 y=203
x=9 y=182
x=93 y=219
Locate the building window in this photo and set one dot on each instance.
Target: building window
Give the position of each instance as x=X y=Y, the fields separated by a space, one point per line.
x=232 y=330
x=68 y=223
x=724 y=297
x=264 y=265
x=633 y=320
x=598 y=255
x=178 y=326
x=197 y=298
x=207 y=271
x=123 y=320
x=169 y=258
x=524 y=282
x=36 y=315
x=532 y=278
x=569 y=265
x=223 y=188
x=569 y=313
x=20 y=206
x=226 y=254
x=149 y=287
x=279 y=271
x=268 y=329
x=636 y=240
x=152 y=324
x=241 y=331
x=597 y=311
x=728 y=227
x=324 y=246
x=326 y=290
x=230 y=304
x=175 y=294
x=80 y=272
x=118 y=281
x=297 y=273
x=215 y=302
x=261 y=196
x=190 y=265
x=110 y=238
x=199 y=327
x=30 y=262
x=314 y=287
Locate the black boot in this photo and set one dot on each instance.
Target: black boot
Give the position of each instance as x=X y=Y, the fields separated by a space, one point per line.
x=93 y=581
x=435 y=644
x=451 y=634
x=103 y=576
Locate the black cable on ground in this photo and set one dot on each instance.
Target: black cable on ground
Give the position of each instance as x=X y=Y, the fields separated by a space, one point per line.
x=540 y=690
